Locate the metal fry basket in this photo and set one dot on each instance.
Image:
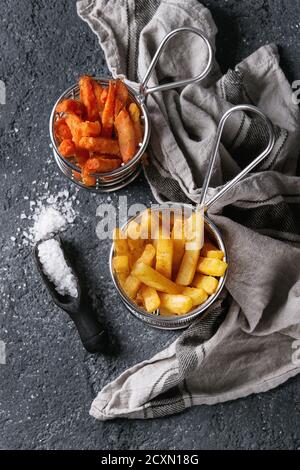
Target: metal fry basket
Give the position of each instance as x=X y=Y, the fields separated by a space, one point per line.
x=212 y=232
x=121 y=177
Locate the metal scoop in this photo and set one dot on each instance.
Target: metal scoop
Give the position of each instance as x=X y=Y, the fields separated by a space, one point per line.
x=91 y=332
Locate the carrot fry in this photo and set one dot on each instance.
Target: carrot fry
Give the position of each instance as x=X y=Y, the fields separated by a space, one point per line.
x=104 y=96
x=89 y=129
x=103 y=155
x=121 y=96
x=100 y=165
x=135 y=115
x=72 y=121
x=61 y=130
x=81 y=155
x=88 y=180
x=108 y=111
x=71 y=106
x=67 y=148
x=100 y=144
x=81 y=128
x=126 y=135
x=98 y=90
x=88 y=98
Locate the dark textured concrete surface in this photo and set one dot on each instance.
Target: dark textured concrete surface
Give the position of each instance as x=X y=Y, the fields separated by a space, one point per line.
x=49 y=381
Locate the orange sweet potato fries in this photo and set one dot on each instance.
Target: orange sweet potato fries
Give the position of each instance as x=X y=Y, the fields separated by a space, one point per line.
x=100 y=130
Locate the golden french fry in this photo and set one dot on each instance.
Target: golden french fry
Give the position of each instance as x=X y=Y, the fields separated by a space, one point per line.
x=164 y=256
x=179 y=304
x=134 y=255
x=151 y=298
x=211 y=266
x=121 y=264
x=153 y=278
x=195 y=231
x=136 y=244
x=178 y=243
x=208 y=283
x=198 y=295
x=120 y=242
x=154 y=226
x=132 y=284
x=122 y=278
x=164 y=312
x=139 y=299
x=211 y=251
x=188 y=267
x=145 y=224
x=133 y=230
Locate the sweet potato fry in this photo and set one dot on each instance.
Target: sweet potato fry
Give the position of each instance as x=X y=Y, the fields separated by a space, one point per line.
x=100 y=165
x=88 y=180
x=71 y=106
x=178 y=304
x=104 y=96
x=126 y=135
x=82 y=156
x=88 y=129
x=98 y=90
x=61 y=130
x=109 y=110
x=152 y=278
x=67 y=148
x=72 y=121
x=151 y=298
x=101 y=145
x=121 y=96
x=135 y=115
x=88 y=98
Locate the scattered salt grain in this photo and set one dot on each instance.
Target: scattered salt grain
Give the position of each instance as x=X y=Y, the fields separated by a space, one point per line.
x=50 y=214
x=56 y=268
x=49 y=222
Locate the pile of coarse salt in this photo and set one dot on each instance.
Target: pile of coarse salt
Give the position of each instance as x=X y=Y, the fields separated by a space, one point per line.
x=56 y=268
x=50 y=214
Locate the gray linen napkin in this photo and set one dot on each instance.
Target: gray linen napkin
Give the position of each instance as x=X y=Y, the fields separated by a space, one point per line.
x=249 y=340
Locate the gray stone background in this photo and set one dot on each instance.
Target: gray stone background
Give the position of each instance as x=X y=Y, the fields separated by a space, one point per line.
x=49 y=381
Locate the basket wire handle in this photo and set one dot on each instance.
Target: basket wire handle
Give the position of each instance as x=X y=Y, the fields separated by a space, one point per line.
x=205 y=205
x=168 y=86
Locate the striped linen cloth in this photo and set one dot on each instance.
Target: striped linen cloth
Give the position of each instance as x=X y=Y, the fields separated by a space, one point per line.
x=248 y=341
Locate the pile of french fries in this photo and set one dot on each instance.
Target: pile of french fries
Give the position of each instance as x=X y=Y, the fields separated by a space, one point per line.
x=100 y=131
x=164 y=263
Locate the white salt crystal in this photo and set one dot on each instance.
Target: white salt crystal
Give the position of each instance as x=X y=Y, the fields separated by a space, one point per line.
x=56 y=268
x=49 y=222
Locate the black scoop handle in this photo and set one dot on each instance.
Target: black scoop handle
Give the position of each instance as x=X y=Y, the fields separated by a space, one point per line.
x=91 y=332
x=79 y=309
